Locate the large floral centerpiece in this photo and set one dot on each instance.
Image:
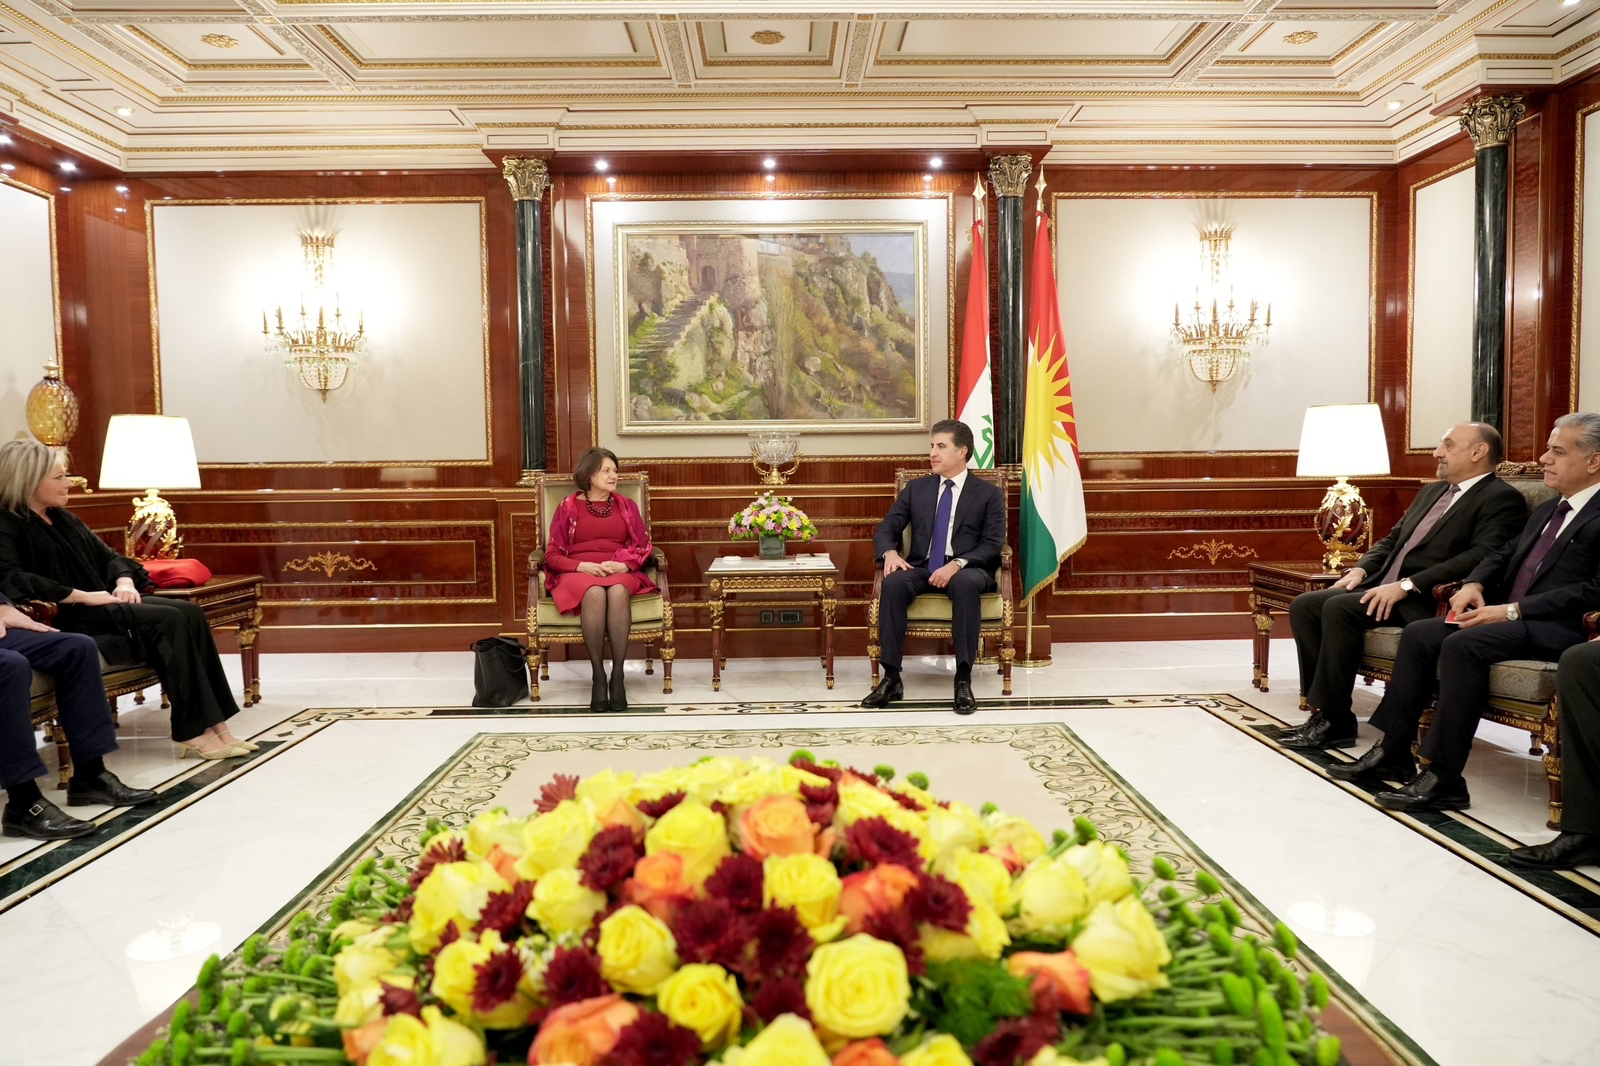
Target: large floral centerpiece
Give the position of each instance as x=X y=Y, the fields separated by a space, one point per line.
x=774 y=520
x=751 y=913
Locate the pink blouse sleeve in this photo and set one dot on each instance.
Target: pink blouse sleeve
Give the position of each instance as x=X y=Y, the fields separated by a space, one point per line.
x=638 y=548
x=556 y=558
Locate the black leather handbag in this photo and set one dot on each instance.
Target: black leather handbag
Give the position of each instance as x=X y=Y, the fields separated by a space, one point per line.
x=500 y=674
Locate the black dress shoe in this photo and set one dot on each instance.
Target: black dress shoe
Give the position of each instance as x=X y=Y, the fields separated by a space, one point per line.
x=108 y=790
x=1427 y=793
x=965 y=702
x=1319 y=732
x=1378 y=763
x=887 y=691
x=42 y=820
x=1562 y=853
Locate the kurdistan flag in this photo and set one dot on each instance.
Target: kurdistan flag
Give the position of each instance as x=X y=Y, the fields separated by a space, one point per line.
x=1054 y=521
x=974 y=391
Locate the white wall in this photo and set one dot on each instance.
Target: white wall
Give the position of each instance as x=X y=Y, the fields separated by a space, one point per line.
x=415 y=269
x=27 y=301
x=1441 y=307
x=1123 y=262
x=1588 y=309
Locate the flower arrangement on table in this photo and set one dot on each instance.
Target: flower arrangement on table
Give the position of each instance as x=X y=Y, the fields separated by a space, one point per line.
x=750 y=913
x=772 y=516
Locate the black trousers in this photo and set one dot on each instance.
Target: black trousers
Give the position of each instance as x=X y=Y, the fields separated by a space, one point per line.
x=965 y=590
x=1578 y=685
x=1329 y=626
x=173 y=637
x=1459 y=659
x=73 y=660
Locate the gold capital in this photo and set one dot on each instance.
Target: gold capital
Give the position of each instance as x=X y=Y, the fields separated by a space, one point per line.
x=1009 y=174
x=528 y=178
x=1489 y=120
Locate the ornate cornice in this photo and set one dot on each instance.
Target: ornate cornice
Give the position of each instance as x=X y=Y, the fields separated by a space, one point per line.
x=528 y=178
x=1489 y=120
x=1009 y=174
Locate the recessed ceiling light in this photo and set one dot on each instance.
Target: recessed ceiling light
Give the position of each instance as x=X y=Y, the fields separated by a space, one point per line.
x=7 y=166
x=611 y=181
x=601 y=164
x=66 y=188
x=122 y=188
x=1569 y=3
x=772 y=177
x=936 y=162
x=122 y=210
x=124 y=111
x=927 y=177
x=69 y=167
x=1395 y=105
x=769 y=162
x=4 y=139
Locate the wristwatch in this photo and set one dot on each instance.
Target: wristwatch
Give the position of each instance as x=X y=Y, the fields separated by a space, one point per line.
x=1407 y=584
x=1512 y=613
x=962 y=563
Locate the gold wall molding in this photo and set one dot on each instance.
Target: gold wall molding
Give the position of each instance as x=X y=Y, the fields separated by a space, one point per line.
x=1213 y=550
x=330 y=563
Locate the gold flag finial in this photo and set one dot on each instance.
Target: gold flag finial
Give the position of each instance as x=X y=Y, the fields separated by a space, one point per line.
x=1040 y=185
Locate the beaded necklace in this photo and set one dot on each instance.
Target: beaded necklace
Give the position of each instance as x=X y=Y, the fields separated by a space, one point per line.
x=600 y=510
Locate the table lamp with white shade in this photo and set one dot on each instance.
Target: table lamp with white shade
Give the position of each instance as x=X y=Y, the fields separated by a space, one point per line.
x=1341 y=441
x=150 y=452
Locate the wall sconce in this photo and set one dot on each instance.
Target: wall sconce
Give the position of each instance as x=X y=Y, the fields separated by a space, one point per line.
x=1215 y=343
x=319 y=347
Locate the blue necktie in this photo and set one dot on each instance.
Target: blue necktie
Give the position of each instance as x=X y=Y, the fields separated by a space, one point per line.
x=941 y=523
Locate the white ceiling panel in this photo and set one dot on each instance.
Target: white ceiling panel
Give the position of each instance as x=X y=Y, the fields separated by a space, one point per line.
x=1020 y=39
x=207 y=43
x=766 y=39
x=540 y=41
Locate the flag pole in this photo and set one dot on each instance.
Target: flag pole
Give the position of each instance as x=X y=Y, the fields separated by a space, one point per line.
x=1028 y=660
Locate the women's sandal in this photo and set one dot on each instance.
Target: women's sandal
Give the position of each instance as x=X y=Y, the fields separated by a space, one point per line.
x=225 y=752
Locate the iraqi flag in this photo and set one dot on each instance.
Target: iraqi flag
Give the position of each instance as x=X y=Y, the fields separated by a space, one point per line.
x=974 y=391
x=1054 y=521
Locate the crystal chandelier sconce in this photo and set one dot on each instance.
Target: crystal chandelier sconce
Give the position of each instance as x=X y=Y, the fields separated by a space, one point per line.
x=1218 y=336
x=318 y=347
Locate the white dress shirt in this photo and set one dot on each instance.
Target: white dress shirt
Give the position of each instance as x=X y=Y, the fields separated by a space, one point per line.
x=1461 y=490
x=1577 y=500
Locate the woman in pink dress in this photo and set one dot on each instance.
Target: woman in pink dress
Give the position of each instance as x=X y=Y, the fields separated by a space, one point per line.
x=598 y=545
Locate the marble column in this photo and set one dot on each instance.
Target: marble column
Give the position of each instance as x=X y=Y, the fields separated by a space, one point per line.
x=529 y=178
x=1490 y=120
x=1009 y=176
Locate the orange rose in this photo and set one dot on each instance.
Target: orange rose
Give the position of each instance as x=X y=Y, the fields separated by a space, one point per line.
x=624 y=813
x=1059 y=976
x=776 y=825
x=873 y=892
x=866 y=1053
x=1008 y=855
x=582 y=1033
x=504 y=863
x=358 y=1043
x=657 y=884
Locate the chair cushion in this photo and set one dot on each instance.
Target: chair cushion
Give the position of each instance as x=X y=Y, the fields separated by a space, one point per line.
x=1528 y=681
x=42 y=683
x=646 y=610
x=934 y=607
x=1381 y=643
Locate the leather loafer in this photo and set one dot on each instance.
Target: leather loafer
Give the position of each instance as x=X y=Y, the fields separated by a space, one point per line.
x=1319 y=732
x=1562 y=853
x=42 y=820
x=1378 y=763
x=1427 y=793
x=108 y=790
x=966 y=703
x=885 y=692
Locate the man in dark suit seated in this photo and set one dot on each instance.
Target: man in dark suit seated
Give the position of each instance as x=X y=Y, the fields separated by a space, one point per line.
x=1578 y=692
x=1449 y=529
x=1524 y=601
x=957 y=532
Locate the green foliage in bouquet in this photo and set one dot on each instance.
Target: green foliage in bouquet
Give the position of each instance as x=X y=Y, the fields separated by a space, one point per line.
x=772 y=516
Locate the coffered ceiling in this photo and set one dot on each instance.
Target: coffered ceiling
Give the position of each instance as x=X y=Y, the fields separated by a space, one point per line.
x=162 y=85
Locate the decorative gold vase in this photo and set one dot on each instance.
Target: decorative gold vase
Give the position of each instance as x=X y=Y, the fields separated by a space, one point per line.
x=1343 y=525
x=52 y=408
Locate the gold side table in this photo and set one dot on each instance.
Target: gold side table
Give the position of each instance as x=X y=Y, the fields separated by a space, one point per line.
x=809 y=575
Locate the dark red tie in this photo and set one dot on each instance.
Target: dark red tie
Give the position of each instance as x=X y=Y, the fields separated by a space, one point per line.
x=1535 y=559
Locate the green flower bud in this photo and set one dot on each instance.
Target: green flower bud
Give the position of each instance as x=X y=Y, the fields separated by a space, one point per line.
x=918 y=778
x=431 y=830
x=182 y=1016
x=1271 y=1017
x=254 y=948
x=832 y=764
x=1240 y=996
x=1222 y=1053
x=1187 y=917
x=360 y=887
x=1116 y=1055
x=238 y=1023
x=1271 y=965
x=208 y=1000
x=987 y=809
x=182 y=1049
x=1290 y=995
x=339 y=909
x=1213 y=914
x=297 y=925
x=1328 y=1051
x=1230 y=911
x=1221 y=941
x=1059 y=837
x=1245 y=953
x=1086 y=829
x=1167 y=1057
x=1163 y=869
x=390 y=863
x=296 y=955
x=1285 y=940
x=210 y=972
x=884 y=771
x=1319 y=990
x=367 y=865
x=1264 y=1057
x=315 y=965
x=156 y=1052
x=1169 y=893
x=1207 y=884
x=802 y=756
x=255 y=983
x=244 y=1053
x=231 y=995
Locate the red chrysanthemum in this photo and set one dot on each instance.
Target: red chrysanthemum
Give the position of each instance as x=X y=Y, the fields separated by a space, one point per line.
x=896 y=927
x=401 y=913
x=610 y=858
x=453 y=850
x=738 y=880
x=1014 y=1040
x=657 y=807
x=907 y=802
x=782 y=944
x=573 y=974
x=652 y=1040
x=561 y=787
x=874 y=841
x=496 y=982
x=708 y=930
x=398 y=1000
x=504 y=911
x=865 y=775
x=831 y=773
x=940 y=902
x=821 y=803
x=782 y=995
x=450 y=935
x=718 y=807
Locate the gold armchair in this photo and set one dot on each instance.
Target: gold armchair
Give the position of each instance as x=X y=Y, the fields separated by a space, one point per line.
x=929 y=614
x=652 y=612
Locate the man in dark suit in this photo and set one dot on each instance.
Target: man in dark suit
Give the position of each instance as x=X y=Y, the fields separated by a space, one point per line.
x=1578 y=689
x=1524 y=601
x=957 y=532
x=1449 y=529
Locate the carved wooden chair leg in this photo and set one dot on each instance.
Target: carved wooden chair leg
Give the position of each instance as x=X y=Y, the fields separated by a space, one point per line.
x=165 y=703
x=116 y=713
x=535 y=667
x=1551 y=734
x=63 y=754
x=544 y=664
x=1535 y=742
x=668 y=653
x=138 y=697
x=649 y=657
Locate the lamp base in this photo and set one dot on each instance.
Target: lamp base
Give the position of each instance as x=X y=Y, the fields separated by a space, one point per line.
x=1343 y=525
x=153 y=530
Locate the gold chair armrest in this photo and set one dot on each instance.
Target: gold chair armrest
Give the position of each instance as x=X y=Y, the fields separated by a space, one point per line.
x=1444 y=592
x=1006 y=593
x=536 y=559
x=1591 y=624
x=658 y=560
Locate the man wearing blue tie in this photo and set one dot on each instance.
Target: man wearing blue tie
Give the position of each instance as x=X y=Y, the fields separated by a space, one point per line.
x=957 y=533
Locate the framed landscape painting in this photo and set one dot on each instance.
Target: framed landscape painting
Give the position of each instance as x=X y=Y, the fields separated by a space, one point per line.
x=726 y=328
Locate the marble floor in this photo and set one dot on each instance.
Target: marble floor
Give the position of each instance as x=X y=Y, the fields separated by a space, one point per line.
x=1472 y=970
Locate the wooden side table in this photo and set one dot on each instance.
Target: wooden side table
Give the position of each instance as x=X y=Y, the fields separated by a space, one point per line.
x=232 y=599
x=811 y=575
x=1273 y=586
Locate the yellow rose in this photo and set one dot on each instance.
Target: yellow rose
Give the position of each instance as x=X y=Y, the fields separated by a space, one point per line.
x=787 y=1041
x=914 y=823
x=352 y=929
x=1123 y=950
x=1104 y=869
x=981 y=876
x=452 y=892
x=434 y=1040
x=1008 y=830
x=763 y=778
x=360 y=1005
x=493 y=828
x=455 y=974
x=858 y=800
x=637 y=951
x=661 y=783
x=941 y=1050
x=696 y=834
x=858 y=987
x=985 y=937
x=562 y=903
x=708 y=776
x=808 y=883
x=605 y=788
x=704 y=998
x=556 y=840
x=953 y=828
x=1051 y=896
x=365 y=960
